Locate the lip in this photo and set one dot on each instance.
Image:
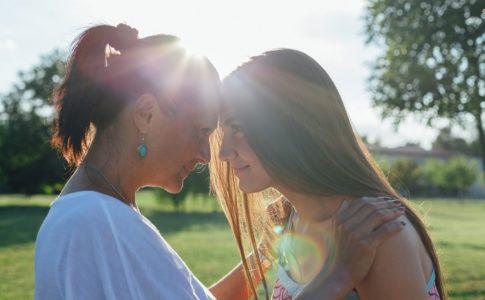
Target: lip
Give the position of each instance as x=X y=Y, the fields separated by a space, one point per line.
x=239 y=170
x=185 y=172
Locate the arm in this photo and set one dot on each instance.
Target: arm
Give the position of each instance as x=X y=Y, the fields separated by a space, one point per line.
x=399 y=265
x=233 y=285
x=359 y=229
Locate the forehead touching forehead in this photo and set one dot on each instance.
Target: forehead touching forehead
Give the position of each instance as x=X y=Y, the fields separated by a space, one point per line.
x=192 y=86
x=199 y=96
x=226 y=113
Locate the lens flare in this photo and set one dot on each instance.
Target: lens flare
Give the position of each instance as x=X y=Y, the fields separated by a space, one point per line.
x=303 y=257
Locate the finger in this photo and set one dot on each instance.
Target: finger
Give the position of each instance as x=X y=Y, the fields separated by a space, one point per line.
x=385 y=231
x=343 y=207
x=386 y=204
x=368 y=209
x=347 y=209
x=368 y=215
x=378 y=218
x=364 y=202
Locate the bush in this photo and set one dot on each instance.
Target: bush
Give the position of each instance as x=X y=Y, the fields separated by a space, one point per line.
x=432 y=178
x=404 y=176
x=28 y=162
x=451 y=177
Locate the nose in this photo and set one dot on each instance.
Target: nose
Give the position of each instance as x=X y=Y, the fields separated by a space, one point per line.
x=227 y=152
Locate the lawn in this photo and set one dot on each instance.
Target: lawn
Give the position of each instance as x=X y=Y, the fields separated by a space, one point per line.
x=201 y=236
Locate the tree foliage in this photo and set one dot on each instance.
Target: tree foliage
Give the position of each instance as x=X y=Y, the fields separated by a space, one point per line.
x=451 y=177
x=28 y=164
x=433 y=59
x=446 y=141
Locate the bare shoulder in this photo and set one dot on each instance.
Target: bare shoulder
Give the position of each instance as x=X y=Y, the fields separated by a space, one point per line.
x=399 y=268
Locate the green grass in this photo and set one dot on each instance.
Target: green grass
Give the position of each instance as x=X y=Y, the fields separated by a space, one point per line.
x=458 y=227
x=202 y=238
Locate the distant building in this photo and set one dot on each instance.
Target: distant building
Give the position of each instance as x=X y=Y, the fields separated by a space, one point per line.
x=420 y=155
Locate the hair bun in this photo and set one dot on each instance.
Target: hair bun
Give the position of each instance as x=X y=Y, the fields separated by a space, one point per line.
x=125 y=37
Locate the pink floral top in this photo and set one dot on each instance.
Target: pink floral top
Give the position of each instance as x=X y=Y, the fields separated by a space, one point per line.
x=285 y=287
x=281 y=293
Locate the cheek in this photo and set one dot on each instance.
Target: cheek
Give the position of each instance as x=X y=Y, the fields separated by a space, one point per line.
x=173 y=144
x=247 y=154
x=257 y=178
x=183 y=144
x=243 y=149
x=260 y=175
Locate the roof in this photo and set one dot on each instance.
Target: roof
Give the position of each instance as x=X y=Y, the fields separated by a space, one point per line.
x=415 y=152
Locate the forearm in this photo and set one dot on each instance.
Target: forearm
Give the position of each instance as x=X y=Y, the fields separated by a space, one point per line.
x=232 y=285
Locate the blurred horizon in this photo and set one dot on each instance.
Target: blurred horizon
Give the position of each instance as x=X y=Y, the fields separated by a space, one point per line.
x=227 y=33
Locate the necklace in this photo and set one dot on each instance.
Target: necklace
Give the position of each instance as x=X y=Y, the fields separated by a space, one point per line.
x=112 y=186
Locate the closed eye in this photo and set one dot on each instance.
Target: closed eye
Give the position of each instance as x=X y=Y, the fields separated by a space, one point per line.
x=205 y=132
x=235 y=128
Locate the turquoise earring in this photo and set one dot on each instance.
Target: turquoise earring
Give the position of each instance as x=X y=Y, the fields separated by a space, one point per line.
x=142 y=148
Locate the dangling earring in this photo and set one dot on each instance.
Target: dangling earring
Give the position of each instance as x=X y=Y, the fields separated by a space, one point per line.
x=142 y=148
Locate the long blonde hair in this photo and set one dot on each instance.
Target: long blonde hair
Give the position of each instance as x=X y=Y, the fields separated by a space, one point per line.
x=294 y=119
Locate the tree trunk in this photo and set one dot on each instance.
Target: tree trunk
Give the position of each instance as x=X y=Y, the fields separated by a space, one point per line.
x=481 y=137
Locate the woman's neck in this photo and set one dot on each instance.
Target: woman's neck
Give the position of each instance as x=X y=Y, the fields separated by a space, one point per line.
x=314 y=208
x=110 y=173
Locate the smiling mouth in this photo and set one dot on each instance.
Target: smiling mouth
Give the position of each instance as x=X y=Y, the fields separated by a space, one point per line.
x=240 y=170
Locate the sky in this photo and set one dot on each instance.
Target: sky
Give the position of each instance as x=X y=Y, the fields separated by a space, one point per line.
x=226 y=31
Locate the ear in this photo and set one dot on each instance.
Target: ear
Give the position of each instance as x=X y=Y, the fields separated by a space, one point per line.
x=143 y=111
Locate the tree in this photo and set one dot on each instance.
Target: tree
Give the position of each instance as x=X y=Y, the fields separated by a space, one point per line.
x=433 y=61
x=446 y=141
x=459 y=174
x=28 y=163
x=451 y=177
x=404 y=176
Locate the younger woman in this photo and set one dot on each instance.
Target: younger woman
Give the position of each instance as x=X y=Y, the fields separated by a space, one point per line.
x=284 y=126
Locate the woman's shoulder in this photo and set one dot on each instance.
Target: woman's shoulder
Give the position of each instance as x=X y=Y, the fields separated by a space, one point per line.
x=98 y=218
x=92 y=202
x=402 y=262
x=88 y=211
x=407 y=243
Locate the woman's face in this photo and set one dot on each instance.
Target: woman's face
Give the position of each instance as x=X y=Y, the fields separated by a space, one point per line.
x=179 y=142
x=236 y=151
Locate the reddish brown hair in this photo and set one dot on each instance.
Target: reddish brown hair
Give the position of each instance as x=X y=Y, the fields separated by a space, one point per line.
x=109 y=67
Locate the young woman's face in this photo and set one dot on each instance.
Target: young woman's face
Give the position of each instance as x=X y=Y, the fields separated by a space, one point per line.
x=236 y=151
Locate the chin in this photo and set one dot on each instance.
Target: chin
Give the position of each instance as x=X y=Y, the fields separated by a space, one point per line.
x=248 y=188
x=174 y=187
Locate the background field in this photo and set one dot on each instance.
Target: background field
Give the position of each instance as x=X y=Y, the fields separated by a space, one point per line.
x=201 y=236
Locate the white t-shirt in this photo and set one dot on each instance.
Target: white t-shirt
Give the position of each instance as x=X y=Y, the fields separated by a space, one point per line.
x=93 y=246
